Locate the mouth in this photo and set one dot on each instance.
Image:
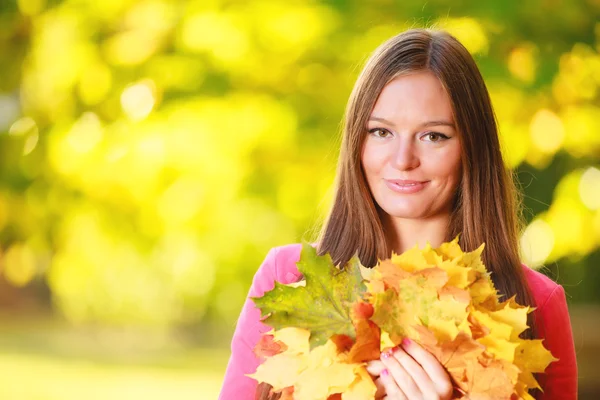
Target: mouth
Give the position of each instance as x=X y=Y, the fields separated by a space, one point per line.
x=405 y=186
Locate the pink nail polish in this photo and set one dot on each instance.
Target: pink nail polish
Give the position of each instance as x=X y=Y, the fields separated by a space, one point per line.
x=406 y=341
x=385 y=372
x=386 y=354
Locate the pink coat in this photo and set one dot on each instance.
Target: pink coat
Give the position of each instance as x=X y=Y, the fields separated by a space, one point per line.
x=559 y=381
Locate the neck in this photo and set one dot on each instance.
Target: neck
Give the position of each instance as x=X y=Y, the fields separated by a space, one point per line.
x=404 y=234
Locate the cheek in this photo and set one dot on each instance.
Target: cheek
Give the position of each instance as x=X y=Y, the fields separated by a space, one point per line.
x=447 y=166
x=455 y=171
x=371 y=160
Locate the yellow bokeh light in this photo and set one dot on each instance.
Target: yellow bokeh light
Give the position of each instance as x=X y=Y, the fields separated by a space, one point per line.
x=216 y=33
x=547 y=131
x=514 y=142
x=95 y=83
x=19 y=264
x=31 y=7
x=181 y=201
x=23 y=126
x=522 y=62
x=589 y=188
x=26 y=127
x=30 y=143
x=468 y=31
x=151 y=15
x=85 y=134
x=537 y=242
x=138 y=100
x=131 y=47
x=570 y=219
x=578 y=77
x=581 y=126
x=291 y=29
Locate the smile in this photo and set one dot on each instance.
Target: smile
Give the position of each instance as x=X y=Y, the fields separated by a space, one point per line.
x=405 y=187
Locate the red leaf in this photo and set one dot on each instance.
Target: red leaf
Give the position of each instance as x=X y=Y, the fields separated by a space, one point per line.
x=268 y=347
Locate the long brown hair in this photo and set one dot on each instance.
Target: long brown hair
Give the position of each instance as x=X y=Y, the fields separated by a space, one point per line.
x=487 y=205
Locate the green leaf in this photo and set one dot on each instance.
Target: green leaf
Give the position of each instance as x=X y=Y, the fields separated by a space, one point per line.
x=322 y=306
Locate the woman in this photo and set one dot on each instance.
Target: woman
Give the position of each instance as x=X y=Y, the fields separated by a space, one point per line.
x=420 y=162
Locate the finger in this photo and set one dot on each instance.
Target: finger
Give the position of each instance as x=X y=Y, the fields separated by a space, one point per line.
x=424 y=383
x=392 y=390
x=380 y=392
x=375 y=367
x=432 y=367
x=402 y=377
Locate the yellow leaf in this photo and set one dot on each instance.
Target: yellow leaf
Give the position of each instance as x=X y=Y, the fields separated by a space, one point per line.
x=482 y=290
x=458 y=275
x=512 y=314
x=501 y=348
x=498 y=329
x=362 y=388
x=296 y=339
x=531 y=355
x=411 y=260
x=521 y=390
x=367 y=273
x=473 y=260
x=431 y=257
x=325 y=375
x=443 y=329
x=386 y=341
x=450 y=250
x=281 y=370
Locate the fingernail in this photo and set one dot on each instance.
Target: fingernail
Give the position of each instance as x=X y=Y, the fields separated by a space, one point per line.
x=406 y=341
x=386 y=354
x=385 y=372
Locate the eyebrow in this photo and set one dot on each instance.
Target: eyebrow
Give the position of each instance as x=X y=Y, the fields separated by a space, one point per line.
x=426 y=124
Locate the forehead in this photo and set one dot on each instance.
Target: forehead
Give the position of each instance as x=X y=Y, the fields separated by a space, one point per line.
x=417 y=97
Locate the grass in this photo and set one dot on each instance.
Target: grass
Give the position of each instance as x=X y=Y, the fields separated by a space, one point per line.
x=41 y=360
x=38 y=377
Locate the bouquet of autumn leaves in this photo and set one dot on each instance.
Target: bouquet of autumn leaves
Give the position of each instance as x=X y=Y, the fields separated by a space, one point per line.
x=327 y=326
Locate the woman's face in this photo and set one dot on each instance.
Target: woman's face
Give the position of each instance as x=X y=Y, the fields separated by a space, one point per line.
x=411 y=156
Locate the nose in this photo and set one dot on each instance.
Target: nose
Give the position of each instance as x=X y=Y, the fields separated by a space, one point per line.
x=405 y=156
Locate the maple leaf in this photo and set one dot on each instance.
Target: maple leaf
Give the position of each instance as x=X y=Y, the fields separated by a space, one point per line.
x=368 y=334
x=413 y=299
x=327 y=326
x=267 y=346
x=362 y=388
x=322 y=306
x=531 y=356
x=313 y=374
x=455 y=355
x=492 y=379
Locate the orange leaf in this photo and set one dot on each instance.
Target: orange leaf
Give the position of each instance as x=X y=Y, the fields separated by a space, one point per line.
x=368 y=334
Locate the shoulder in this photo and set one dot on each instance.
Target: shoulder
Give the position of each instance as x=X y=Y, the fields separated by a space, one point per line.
x=284 y=259
x=553 y=325
x=541 y=286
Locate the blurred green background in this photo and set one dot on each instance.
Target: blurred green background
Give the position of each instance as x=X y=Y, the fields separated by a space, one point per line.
x=152 y=151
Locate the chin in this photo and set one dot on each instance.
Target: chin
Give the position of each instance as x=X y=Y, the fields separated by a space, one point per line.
x=406 y=212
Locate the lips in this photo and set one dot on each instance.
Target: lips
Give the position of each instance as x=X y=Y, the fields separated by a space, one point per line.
x=405 y=186
x=404 y=182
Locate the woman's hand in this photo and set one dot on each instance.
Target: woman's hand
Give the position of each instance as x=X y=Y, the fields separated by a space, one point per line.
x=410 y=372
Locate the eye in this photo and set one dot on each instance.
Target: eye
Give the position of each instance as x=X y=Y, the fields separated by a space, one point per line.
x=434 y=137
x=378 y=132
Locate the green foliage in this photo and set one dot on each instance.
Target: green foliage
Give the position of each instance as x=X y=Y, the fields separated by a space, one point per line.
x=322 y=305
x=151 y=151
